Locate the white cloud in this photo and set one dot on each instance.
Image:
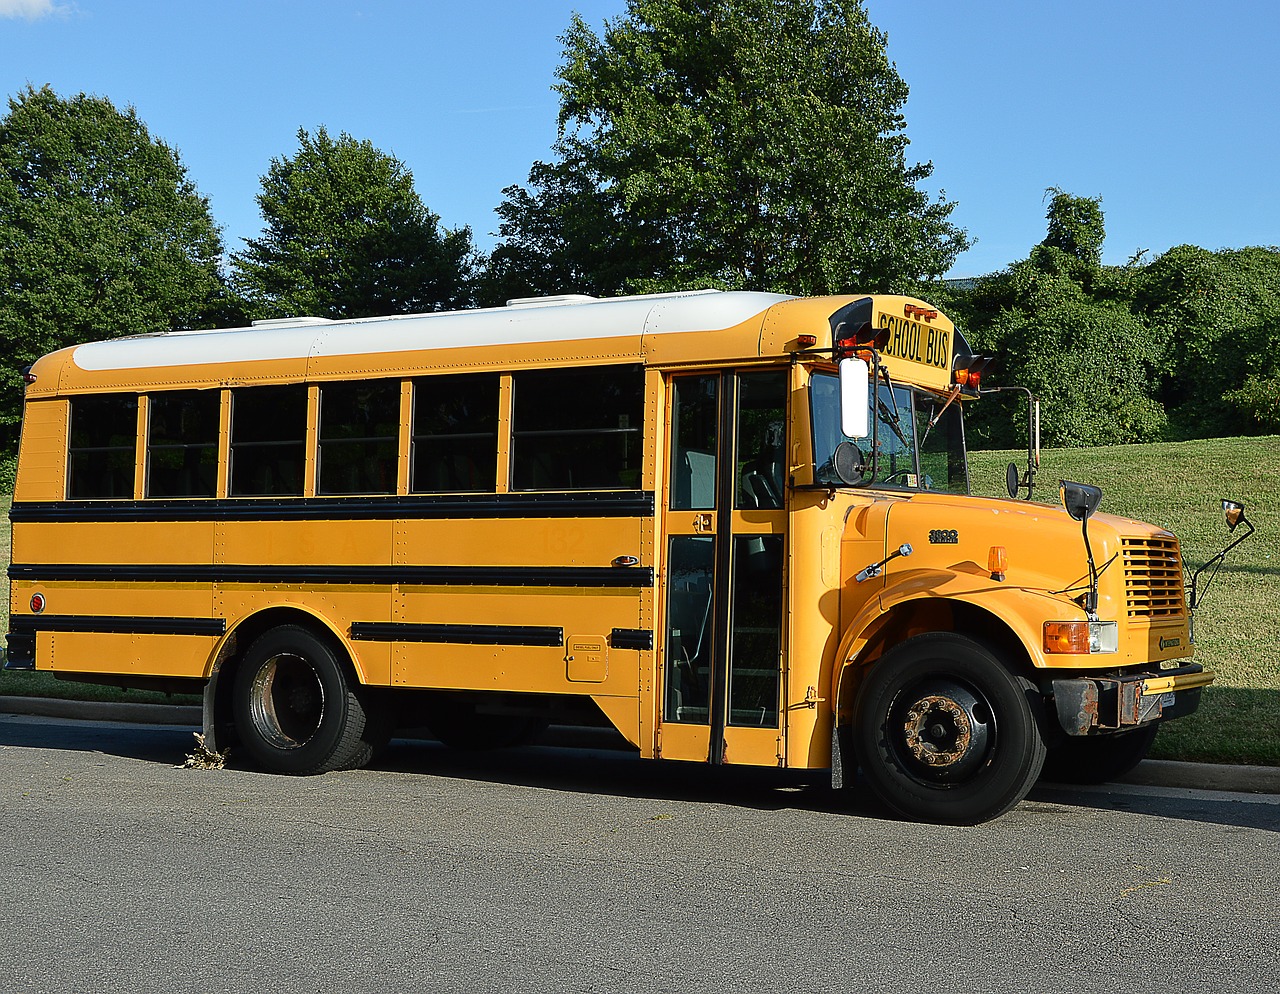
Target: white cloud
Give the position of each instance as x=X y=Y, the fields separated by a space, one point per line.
x=31 y=10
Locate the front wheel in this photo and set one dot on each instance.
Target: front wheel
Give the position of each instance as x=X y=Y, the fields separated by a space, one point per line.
x=946 y=733
x=294 y=709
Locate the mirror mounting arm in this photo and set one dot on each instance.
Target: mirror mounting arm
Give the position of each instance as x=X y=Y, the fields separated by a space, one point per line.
x=1081 y=500
x=1235 y=516
x=1012 y=481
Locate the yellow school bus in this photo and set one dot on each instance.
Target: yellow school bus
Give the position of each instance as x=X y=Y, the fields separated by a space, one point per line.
x=735 y=526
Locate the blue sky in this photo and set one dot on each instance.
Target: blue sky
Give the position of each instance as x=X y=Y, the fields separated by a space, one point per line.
x=1165 y=110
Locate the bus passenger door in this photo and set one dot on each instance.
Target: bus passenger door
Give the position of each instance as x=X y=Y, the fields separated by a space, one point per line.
x=726 y=540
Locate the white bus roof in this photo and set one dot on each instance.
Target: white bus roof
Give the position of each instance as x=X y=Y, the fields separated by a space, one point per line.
x=526 y=321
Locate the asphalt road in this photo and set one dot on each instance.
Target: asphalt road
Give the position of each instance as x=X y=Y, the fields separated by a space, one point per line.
x=550 y=869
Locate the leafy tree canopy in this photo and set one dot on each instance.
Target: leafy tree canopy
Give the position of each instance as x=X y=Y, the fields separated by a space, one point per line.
x=1220 y=312
x=1185 y=346
x=734 y=143
x=101 y=234
x=1094 y=367
x=347 y=236
x=1076 y=226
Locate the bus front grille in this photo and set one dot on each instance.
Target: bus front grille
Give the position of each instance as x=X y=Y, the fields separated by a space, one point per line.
x=1153 y=577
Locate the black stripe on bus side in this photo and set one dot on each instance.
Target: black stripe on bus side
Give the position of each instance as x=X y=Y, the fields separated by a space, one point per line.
x=24 y=624
x=477 y=576
x=400 y=631
x=573 y=504
x=632 y=638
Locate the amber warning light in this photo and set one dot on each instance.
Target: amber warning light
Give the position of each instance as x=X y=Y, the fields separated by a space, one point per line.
x=997 y=562
x=924 y=313
x=970 y=376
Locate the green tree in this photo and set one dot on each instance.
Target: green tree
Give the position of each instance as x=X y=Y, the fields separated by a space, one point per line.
x=1063 y=325
x=102 y=234
x=1220 y=312
x=347 y=236
x=734 y=143
x=1186 y=345
x=1076 y=226
x=1093 y=365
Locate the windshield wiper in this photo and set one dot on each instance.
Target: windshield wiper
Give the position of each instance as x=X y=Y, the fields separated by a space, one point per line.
x=894 y=419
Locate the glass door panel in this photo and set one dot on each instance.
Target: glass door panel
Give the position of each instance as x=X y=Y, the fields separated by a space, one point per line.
x=726 y=524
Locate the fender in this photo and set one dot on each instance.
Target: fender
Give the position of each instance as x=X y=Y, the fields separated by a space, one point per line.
x=1021 y=609
x=221 y=653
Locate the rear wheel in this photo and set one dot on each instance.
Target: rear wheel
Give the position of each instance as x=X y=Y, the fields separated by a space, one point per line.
x=945 y=733
x=1098 y=758
x=294 y=709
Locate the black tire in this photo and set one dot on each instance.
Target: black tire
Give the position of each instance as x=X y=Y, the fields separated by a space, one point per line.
x=294 y=709
x=1098 y=758
x=945 y=733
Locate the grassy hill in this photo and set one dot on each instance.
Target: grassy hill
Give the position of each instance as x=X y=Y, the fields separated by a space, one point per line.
x=1175 y=485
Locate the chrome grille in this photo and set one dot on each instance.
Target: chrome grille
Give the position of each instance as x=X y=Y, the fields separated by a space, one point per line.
x=1153 y=577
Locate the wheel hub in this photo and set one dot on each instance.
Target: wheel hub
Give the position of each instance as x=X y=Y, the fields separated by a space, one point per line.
x=938 y=731
x=288 y=701
x=945 y=731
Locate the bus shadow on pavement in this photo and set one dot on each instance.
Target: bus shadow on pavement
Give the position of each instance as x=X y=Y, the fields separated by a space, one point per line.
x=607 y=766
x=617 y=770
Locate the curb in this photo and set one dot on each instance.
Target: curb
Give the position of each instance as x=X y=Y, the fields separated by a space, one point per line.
x=1205 y=776
x=135 y=714
x=1150 y=772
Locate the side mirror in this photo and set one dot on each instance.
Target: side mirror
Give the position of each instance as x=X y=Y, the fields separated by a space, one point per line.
x=1080 y=499
x=848 y=463
x=1234 y=512
x=855 y=398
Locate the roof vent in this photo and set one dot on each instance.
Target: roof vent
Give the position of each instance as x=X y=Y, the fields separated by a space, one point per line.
x=564 y=298
x=289 y=322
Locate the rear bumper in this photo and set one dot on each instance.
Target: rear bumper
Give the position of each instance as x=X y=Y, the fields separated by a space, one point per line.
x=20 y=652
x=1100 y=704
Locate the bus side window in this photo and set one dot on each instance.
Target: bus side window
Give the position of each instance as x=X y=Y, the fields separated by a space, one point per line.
x=454 y=446
x=268 y=441
x=182 y=443
x=577 y=429
x=358 y=437
x=102 y=447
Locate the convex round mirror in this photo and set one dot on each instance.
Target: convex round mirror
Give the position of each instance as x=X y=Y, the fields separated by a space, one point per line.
x=849 y=464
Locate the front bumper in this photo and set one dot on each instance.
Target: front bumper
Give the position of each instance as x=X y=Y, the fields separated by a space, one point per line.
x=1099 y=704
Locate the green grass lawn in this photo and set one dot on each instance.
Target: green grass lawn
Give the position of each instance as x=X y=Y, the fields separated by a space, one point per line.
x=1175 y=485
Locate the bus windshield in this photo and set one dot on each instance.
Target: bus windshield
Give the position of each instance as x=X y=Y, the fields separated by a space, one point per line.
x=917 y=439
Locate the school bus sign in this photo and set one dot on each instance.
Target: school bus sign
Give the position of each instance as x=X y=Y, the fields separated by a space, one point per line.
x=922 y=337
